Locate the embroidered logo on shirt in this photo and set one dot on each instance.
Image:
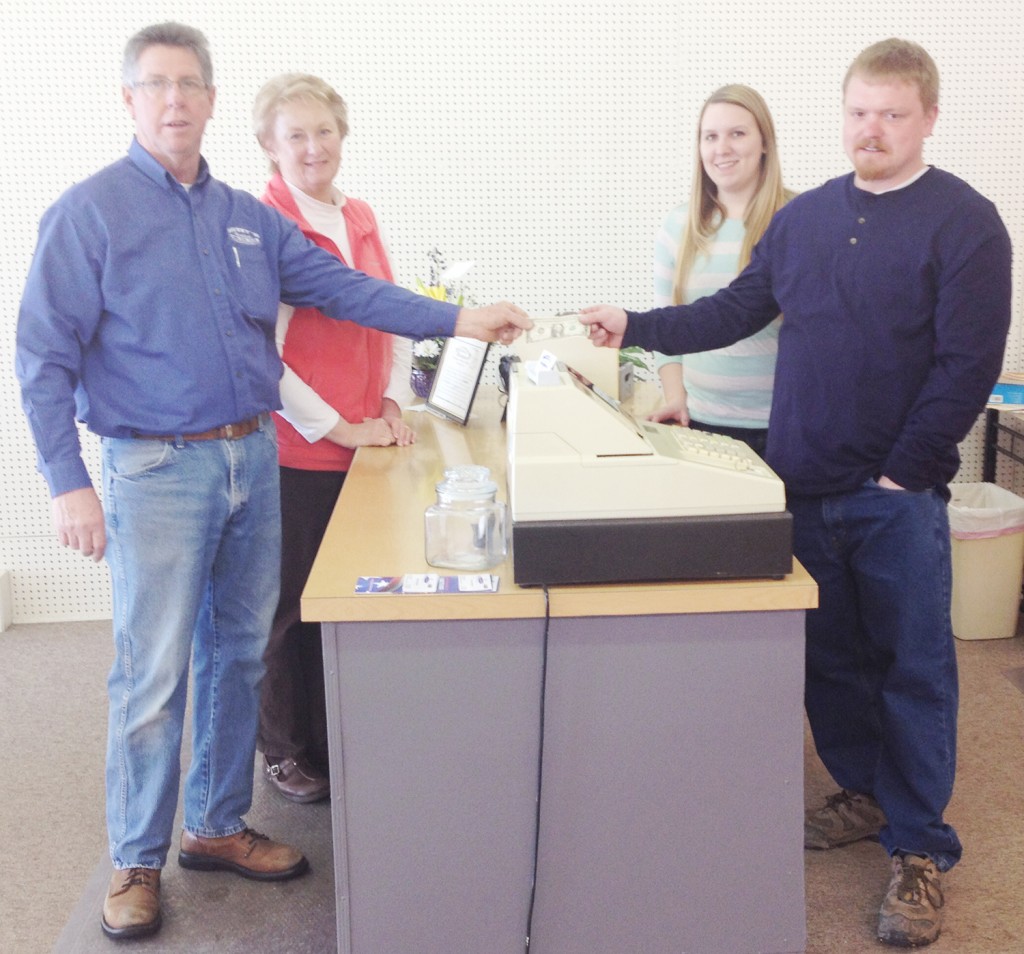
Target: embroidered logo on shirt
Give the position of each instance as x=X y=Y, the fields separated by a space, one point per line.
x=242 y=236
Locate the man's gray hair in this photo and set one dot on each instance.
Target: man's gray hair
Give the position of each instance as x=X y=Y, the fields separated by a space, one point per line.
x=166 y=34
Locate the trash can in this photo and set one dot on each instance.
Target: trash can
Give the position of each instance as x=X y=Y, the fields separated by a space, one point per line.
x=987 y=527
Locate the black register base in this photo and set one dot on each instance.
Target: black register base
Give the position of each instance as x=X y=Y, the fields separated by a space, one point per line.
x=728 y=547
x=650 y=718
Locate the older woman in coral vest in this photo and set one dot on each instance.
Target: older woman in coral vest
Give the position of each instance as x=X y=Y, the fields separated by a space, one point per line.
x=342 y=389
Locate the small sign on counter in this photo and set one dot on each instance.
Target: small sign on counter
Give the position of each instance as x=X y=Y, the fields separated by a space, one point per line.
x=429 y=583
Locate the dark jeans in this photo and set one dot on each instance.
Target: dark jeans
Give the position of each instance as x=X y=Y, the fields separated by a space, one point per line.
x=882 y=690
x=293 y=717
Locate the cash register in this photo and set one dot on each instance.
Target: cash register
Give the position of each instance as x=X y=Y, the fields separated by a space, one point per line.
x=597 y=496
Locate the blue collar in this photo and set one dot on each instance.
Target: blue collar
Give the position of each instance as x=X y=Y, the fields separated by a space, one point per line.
x=153 y=170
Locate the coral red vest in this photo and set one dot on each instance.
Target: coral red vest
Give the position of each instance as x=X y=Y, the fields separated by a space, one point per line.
x=346 y=364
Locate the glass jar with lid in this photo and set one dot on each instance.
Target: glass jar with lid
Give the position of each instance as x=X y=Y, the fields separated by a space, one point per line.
x=466 y=528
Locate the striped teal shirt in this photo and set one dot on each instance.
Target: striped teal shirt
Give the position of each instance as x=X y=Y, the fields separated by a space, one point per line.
x=732 y=386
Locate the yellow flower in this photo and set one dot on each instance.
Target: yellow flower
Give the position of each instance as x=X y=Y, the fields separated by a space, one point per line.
x=437 y=292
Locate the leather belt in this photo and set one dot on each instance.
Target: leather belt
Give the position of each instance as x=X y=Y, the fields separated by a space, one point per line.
x=226 y=432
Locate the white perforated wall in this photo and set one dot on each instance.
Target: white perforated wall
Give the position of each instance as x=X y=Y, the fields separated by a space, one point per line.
x=542 y=140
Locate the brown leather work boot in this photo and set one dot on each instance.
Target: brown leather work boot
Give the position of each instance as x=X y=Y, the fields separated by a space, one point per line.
x=247 y=853
x=132 y=906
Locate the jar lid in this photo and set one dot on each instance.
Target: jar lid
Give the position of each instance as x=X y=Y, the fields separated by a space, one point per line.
x=466 y=481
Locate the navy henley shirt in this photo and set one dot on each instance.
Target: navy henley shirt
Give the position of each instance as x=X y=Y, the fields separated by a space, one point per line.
x=895 y=308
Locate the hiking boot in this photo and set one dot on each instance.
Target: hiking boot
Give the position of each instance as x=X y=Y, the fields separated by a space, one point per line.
x=845 y=817
x=911 y=914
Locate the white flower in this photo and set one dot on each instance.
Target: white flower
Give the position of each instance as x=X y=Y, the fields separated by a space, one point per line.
x=454 y=274
x=427 y=348
x=445 y=285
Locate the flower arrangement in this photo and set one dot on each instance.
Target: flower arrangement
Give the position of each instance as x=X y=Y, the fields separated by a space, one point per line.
x=426 y=353
x=445 y=285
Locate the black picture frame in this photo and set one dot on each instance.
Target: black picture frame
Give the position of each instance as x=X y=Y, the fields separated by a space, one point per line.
x=457 y=378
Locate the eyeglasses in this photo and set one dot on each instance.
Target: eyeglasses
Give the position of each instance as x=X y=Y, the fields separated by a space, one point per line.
x=190 y=86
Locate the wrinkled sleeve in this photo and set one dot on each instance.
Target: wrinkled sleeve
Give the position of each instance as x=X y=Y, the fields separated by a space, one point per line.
x=744 y=306
x=398 y=389
x=59 y=314
x=312 y=277
x=972 y=320
x=301 y=406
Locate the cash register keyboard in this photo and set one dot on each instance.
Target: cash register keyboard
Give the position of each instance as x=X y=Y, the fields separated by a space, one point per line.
x=717 y=450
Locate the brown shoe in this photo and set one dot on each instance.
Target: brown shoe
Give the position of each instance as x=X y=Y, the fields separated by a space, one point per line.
x=132 y=906
x=247 y=853
x=296 y=779
x=844 y=818
x=911 y=914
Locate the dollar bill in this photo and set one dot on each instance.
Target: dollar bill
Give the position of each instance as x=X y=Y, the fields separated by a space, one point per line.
x=547 y=327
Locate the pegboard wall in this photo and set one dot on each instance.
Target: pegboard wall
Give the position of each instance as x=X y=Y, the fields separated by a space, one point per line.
x=543 y=141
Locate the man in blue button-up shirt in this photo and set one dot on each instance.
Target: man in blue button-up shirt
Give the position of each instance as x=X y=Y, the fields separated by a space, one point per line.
x=149 y=314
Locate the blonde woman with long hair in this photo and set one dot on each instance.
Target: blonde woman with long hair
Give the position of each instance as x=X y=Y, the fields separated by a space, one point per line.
x=702 y=245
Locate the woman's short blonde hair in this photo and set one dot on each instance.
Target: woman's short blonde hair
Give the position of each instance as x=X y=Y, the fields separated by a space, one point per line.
x=289 y=88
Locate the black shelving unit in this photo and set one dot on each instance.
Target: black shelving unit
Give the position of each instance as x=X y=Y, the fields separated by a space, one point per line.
x=1014 y=450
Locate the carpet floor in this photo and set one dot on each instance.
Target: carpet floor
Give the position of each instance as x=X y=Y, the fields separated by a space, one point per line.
x=54 y=868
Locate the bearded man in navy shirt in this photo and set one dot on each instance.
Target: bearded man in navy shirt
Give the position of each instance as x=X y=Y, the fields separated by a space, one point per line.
x=894 y=284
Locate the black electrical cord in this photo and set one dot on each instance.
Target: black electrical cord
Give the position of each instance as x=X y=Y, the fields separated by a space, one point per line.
x=540 y=763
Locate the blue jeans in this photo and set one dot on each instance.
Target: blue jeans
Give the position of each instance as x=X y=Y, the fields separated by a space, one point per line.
x=882 y=689
x=193 y=533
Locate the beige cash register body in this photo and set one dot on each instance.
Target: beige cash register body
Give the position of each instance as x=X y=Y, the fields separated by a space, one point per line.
x=597 y=496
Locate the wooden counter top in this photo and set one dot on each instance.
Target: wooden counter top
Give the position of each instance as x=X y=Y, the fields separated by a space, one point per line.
x=377 y=530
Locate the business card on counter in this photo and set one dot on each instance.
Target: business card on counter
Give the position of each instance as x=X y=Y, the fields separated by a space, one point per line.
x=429 y=583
